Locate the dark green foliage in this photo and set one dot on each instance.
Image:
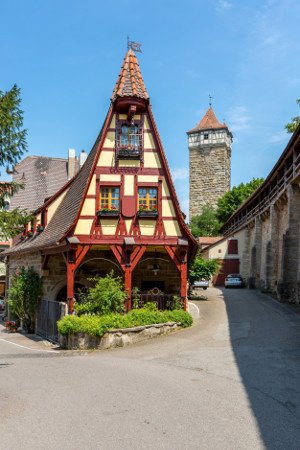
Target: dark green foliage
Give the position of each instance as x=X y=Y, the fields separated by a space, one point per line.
x=98 y=325
x=23 y=295
x=12 y=222
x=206 y=223
x=202 y=269
x=12 y=137
x=230 y=202
x=12 y=147
x=106 y=296
x=295 y=121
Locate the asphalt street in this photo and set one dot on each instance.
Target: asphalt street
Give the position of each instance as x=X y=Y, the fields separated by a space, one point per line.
x=229 y=382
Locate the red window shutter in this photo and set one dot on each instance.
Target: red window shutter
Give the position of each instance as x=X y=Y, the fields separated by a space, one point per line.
x=233 y=247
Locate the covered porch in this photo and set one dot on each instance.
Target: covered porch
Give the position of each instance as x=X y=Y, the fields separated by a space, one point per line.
x=157 y=272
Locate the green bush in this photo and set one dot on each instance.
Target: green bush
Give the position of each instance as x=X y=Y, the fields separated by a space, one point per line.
x=98 y=325
x=106 y=296
x=23 y=295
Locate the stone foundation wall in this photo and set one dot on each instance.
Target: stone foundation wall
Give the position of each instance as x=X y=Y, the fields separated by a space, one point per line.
x=116 y=338
x=27 y=260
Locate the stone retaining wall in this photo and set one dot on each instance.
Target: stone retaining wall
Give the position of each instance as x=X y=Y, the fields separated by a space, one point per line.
x=116 y=338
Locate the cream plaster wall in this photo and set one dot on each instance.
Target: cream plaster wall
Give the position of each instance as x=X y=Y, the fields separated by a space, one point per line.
x=151 y=160
x=109 y=140
x=168 y=208
x=165 y=190
x=106 y=159
x=128 y=223
x=88 y=208
x=109 y=226
x=83 y=226
x=147 y=227
x=146 y=123
x=108 y=177
x=54 y=205
x=148 y=140
x=129 y=163
x=148 y=178
x=113 y=122
x=129 y=185
x=92 y=186
x=172 y=228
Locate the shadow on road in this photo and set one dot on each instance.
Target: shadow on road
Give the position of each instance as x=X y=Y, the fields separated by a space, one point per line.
x=265 y=338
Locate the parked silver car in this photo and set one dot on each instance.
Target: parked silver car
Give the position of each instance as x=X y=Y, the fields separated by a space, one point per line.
x=204 y=284
x=234 y=280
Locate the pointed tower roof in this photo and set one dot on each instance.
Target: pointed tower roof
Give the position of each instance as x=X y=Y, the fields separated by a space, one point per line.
x=130 y=82
x=209 y=122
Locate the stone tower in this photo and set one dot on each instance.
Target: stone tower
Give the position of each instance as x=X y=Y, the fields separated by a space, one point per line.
x=210 y=152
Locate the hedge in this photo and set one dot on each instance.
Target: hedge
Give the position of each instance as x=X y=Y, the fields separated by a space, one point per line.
x=98 y=325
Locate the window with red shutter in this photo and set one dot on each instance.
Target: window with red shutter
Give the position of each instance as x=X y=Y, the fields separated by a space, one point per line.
x=233 y=247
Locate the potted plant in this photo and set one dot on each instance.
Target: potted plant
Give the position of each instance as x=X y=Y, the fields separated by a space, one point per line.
x=29 y=233
x=39 y=228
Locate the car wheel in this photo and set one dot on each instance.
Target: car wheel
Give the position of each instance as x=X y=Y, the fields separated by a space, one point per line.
x=205 y=288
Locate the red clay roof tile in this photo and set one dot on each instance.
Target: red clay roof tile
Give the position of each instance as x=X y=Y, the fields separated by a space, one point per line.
x=209 y=122
x=130 y=82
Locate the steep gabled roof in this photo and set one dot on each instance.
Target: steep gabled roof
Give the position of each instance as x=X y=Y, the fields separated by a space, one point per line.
x=130 y=82
x=69 y=208
x=209 y=122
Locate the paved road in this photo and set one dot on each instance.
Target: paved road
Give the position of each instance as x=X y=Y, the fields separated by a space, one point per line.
x=230 y=382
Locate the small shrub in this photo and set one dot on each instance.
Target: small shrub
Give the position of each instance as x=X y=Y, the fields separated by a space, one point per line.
x=98 y=325
x=106 y=296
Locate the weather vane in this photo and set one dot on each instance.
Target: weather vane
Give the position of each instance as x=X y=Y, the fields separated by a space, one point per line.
x=135 y=46
x=210 y=100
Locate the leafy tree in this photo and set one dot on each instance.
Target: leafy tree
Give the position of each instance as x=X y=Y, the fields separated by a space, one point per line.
x=295 y=121
x=202 y=268
x=206 y=223
x=23 y=295
x=230 y=202
x=12 y=146
x=106 y=296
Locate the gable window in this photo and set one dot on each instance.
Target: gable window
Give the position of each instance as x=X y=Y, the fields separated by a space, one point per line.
x=147 y=200
x=129 y=141
x=109 y=198
x=233 y=247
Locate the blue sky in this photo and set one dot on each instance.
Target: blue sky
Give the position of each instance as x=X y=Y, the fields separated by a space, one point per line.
x=66 y=55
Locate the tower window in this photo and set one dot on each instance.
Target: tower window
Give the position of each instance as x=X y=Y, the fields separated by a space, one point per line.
x=206 y=135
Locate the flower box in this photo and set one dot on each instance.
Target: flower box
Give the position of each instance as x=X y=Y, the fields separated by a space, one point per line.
x=108 y=213
x=127 y=153
x=148 y=213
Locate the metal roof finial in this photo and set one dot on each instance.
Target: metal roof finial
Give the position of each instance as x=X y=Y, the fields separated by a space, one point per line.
x=135 y=46
x=210 y=100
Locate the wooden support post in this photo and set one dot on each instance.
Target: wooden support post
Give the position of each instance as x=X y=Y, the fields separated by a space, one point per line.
x=183 y=283
x=128 y=287
x=70 y=286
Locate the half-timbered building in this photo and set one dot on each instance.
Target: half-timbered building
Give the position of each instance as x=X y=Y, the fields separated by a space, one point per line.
x=120 y=212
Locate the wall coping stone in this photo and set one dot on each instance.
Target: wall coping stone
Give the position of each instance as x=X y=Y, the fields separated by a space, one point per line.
x=120 y=337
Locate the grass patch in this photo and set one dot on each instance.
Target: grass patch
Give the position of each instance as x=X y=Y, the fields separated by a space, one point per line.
x=98 y=325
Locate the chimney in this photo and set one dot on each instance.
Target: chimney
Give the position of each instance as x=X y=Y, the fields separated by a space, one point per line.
x=71 y=163
x=82 y=158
